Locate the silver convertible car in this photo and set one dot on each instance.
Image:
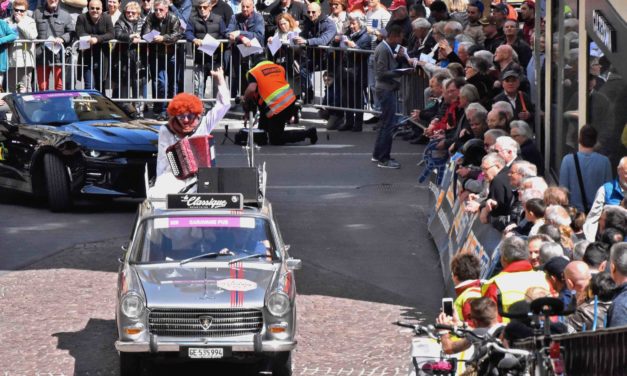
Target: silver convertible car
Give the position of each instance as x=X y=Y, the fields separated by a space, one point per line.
x=206 y=277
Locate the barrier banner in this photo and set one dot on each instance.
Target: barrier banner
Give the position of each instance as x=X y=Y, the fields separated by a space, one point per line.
x=483 y=241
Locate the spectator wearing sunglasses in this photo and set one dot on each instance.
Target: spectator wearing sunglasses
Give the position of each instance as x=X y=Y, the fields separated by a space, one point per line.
x=22 y=55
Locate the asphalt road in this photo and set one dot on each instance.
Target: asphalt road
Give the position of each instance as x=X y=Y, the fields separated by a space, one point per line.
x=360 y=231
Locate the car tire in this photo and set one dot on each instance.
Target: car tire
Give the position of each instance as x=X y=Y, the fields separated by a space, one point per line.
x=57 y=184
x=282 y=364
x=130 y=364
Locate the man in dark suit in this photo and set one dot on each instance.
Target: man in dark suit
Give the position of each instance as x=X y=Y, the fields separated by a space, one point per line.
x=521 y=103
x=500 y=192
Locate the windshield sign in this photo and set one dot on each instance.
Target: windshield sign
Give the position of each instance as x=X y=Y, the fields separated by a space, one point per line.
x=226 y=222
x=182 y=238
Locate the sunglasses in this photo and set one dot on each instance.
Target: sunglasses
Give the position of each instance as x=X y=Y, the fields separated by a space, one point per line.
x=90 y=8
x=130 y=12
x=311 y=12
x=204 y=6
x=186 y=116
x=19 y=10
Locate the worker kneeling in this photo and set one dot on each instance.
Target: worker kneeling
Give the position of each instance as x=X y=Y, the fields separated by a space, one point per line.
x=269 y=88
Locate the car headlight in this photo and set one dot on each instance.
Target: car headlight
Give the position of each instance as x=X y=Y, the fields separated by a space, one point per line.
x=278 y=304
x=98 y=154
x=132 y=305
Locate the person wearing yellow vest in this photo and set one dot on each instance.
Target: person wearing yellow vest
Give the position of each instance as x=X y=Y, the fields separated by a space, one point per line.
x=510 y=285
x=268 y=87
x=465 y=271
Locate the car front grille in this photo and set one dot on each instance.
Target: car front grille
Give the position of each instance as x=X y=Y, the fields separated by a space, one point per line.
x=227 y=322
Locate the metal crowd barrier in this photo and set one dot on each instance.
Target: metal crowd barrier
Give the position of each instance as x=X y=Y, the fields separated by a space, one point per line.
x=324 y=77
x=33 y=66
x=601 y=352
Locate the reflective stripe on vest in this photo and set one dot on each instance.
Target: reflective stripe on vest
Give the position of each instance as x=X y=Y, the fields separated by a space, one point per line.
x=513 y=286
x=274 y=90
x=468 y=294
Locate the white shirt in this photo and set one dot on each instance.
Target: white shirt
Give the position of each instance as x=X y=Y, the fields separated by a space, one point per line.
x=207 y=123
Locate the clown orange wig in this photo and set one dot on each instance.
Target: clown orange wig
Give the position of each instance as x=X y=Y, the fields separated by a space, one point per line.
x=185 y=103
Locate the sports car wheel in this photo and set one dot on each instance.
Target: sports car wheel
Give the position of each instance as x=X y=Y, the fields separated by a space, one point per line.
x=57 y=184
x=282 y=364
x=130 y=364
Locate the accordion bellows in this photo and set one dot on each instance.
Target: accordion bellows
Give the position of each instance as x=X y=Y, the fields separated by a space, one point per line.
x=188 y=154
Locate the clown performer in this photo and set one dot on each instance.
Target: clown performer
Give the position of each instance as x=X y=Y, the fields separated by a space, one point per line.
x=186 y=120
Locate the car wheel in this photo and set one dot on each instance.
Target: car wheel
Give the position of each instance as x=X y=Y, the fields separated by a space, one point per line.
x=130 y=364
x=282 y=364
x=57 y=184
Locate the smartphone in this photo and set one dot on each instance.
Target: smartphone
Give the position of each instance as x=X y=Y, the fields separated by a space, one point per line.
x=447 y=306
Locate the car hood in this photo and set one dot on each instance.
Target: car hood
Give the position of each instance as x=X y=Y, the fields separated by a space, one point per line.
x=114 y=135
x=219 y=286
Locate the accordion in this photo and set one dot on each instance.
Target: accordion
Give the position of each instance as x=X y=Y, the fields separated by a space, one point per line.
x=188 y=154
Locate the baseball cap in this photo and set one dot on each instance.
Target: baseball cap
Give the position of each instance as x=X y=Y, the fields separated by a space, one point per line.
x=397 y=4
x=501 y=8
x=510 y=73
x=555 y=267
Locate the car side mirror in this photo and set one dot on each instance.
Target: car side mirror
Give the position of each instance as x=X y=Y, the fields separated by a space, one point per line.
x=294 y=264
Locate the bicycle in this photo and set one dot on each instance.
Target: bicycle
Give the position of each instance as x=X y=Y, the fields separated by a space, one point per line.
x=428 y=358
x=548 y=357
x=490 y=357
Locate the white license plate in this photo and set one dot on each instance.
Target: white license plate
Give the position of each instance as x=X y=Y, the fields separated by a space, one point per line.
x=205 y=353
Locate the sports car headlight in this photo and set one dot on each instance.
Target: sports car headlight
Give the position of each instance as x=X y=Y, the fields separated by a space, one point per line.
x=278 y=304
x=98 y=154
x=132 y=305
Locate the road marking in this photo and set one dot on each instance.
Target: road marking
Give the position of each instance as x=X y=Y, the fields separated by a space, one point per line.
x=349 y=371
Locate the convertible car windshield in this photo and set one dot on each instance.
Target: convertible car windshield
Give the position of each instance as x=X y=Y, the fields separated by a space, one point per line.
x=181 y=238
x=67 y=107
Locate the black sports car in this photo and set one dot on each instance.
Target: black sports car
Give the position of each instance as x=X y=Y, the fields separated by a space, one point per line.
x=59 y=144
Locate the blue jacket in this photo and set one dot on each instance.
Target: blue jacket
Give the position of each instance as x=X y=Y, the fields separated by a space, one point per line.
x=617 y=314
x=319 y=33
x=251 y=27
x=613 y=193
x=7 y=36
x=182 y=9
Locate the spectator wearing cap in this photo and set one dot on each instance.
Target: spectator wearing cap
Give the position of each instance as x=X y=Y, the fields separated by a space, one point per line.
x=595 y=170
x=617 y=313
x=554 y=270
x=528 y=17
x=474 y=29
x=512 y=38
x=493 y=36
x=400 y=17
x=296 y=9
x=519 y=100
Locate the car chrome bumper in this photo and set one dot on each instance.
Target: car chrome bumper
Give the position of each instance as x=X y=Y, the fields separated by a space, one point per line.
x=266 y=346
